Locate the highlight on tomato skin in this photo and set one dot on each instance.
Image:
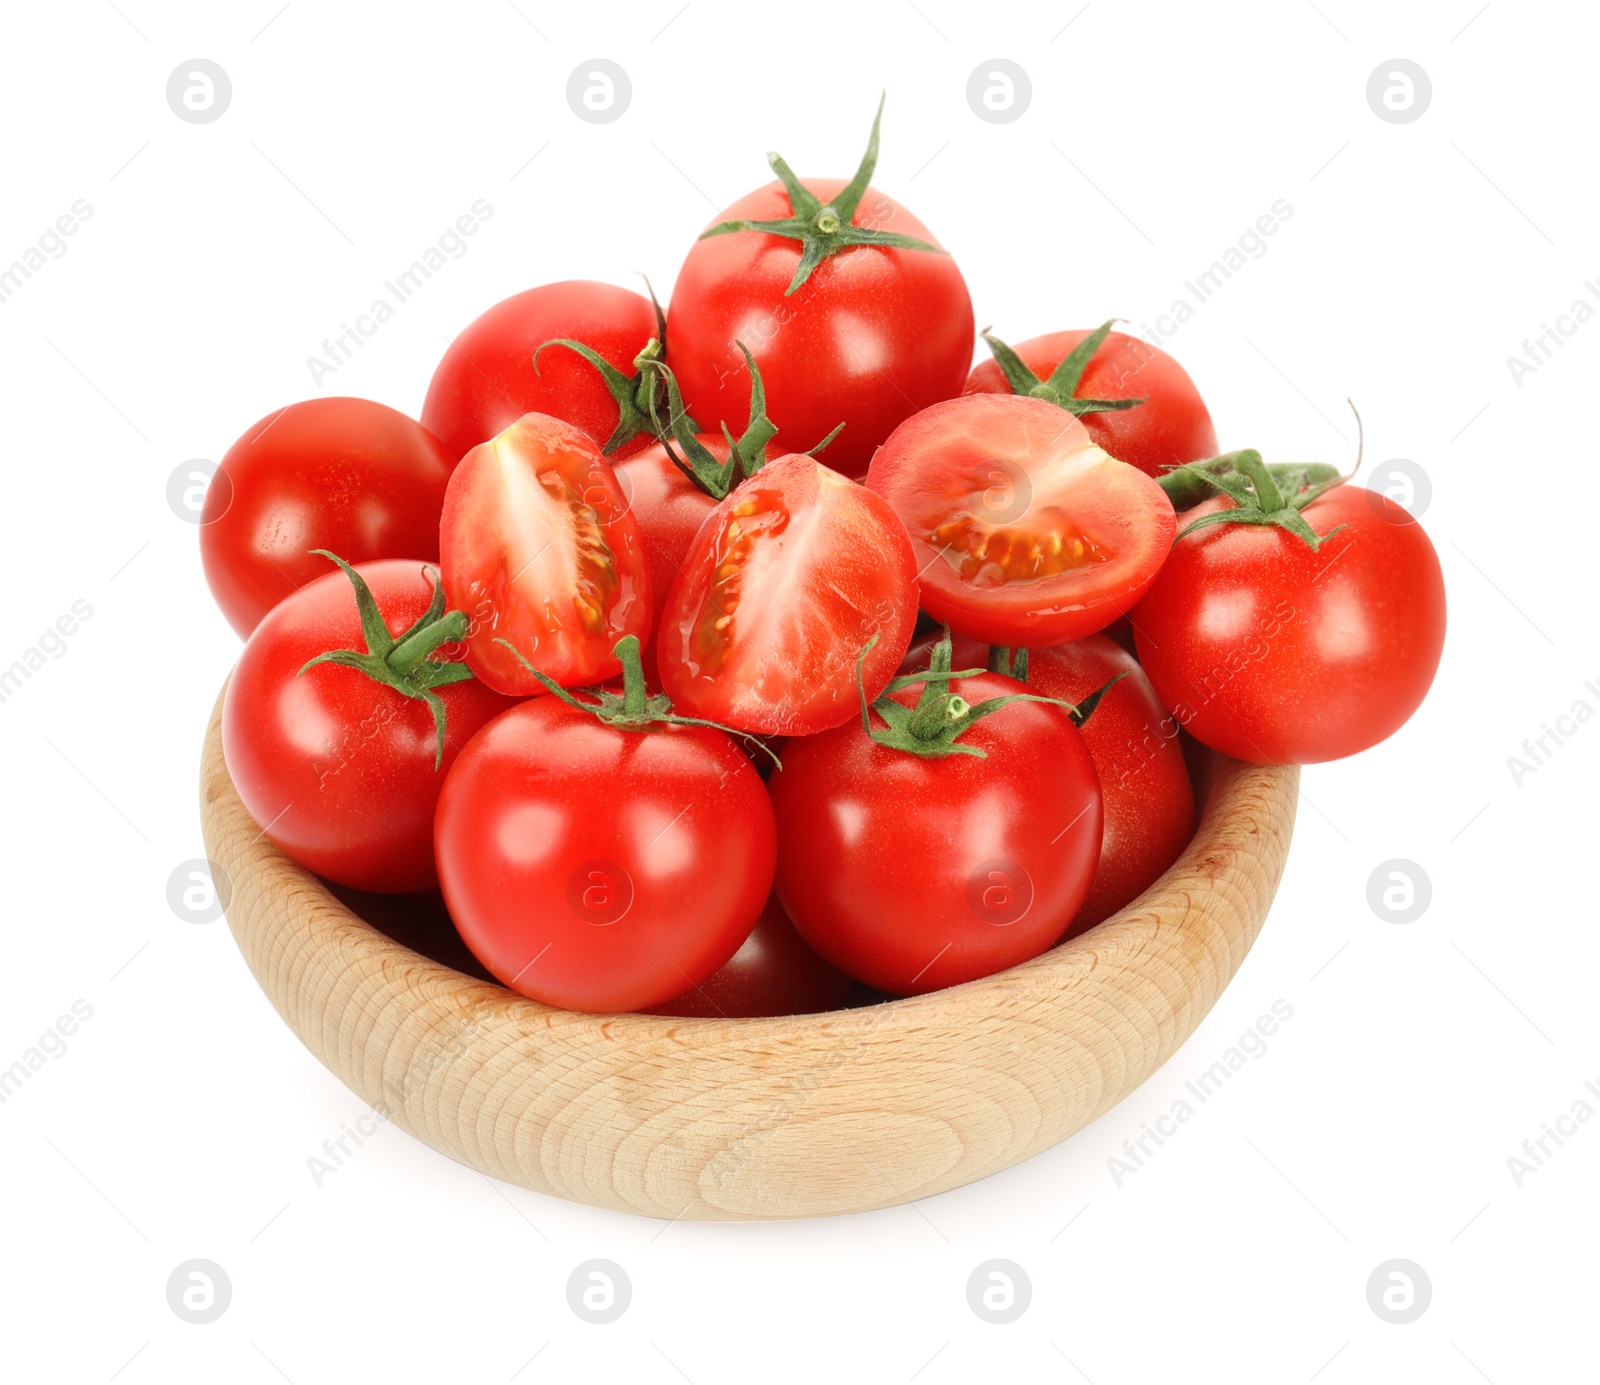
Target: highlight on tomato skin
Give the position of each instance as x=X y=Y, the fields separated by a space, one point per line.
x=1026 y=533
x=791 y=576
x=538 y=545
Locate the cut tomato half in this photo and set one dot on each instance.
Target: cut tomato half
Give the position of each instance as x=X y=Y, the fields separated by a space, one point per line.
x=538 y=547
x=1025 y=532
x=788 y=580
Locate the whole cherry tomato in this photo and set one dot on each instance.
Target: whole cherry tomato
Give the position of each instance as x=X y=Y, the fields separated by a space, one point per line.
x=789 y=578
x=775 y=972
x=346 y=475
x=1133 y=741
x=1136 y=401
x=1307 y=637
x=599 y=857
x=538 y=547
x=1025 y=532
x=488 y=378
x=843 y=298
x=341 y=762
x=914 y=869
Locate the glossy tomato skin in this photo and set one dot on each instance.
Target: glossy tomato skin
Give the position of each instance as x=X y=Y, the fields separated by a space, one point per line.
x=348 y=475
x=1275 y=654
x=539 y=547
x=775 y=972
x=1133 y=741
x=600 y=869
x=1170 y=428
x=911 y=874
x=871 y=337
x=337 y=769
x=486 y=381
x=1025 y=532
x=789 y=578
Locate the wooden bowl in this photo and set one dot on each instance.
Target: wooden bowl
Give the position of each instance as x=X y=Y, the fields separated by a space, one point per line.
x=749 y=1119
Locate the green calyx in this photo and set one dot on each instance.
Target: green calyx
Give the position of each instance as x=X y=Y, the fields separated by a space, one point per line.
x=934 y=726
x=1262 y=495
x=635 y=708
x=1061 y=389
x=636 y=396
x=1187 y=486
x=403 y=663
x=825 y=228
x=746 y=455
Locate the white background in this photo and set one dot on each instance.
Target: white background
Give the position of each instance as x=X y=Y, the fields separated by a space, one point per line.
x=1419 y=1057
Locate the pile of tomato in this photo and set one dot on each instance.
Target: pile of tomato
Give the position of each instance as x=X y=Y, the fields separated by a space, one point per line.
x=761 y=655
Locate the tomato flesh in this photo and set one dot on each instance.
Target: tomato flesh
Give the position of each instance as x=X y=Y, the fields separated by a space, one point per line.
x=1025 y=532
x=538 y=547
x=789 y=578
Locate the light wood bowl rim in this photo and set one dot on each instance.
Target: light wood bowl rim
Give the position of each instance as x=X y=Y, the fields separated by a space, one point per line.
x=750 y=1119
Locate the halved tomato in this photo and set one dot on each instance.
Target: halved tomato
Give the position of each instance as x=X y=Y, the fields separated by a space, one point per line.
x=538 y=547
x=789 y=578
x=1025 y=532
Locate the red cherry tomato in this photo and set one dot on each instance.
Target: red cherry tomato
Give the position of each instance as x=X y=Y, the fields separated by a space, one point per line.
x=873 y=335
x=1170 y=428
x=337 y=769
x=347 y=475
x=538 y=548
x=602 y=869
x=773 y=973
x=487 y=381
x=911 y=874
x=1270 y=652
x=1149 y=802
x=789 y=578
x=1025 y=532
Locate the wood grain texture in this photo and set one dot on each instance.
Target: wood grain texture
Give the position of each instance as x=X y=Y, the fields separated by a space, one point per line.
x=752 y=1119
